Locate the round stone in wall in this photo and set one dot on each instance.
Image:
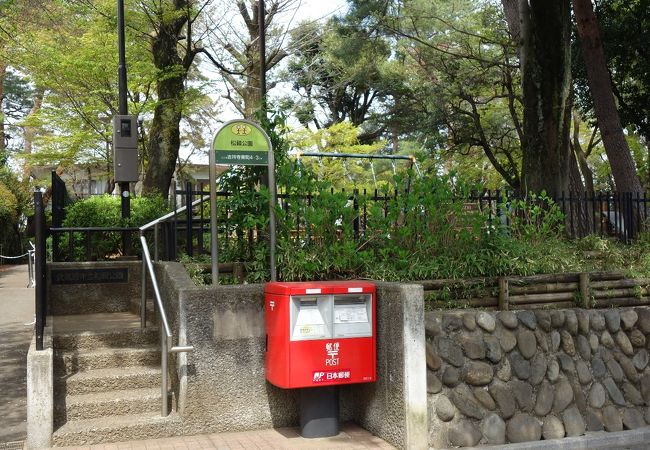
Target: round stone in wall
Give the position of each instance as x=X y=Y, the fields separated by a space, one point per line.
x=632 y=394
x=628 y=367
x=433 y=360
x=543 y=319
x=544 y=399
x=593 y=342
x=485 y=321
x=464 y=434
x=433 y=383
x=469 y=321
x=523 y=428
x=574 y=424
x=629 y=318
x=526 y=343
x=624 y=343
x=477 y=373
x=613 y=391
x=508 y=319
x=556 y=339
x=451 y=376
x=494 y=429
x=553 y=428
x=584 y=374
x=466 y=403
x=607 y=340
x=520 y=366
x=563 y=396
x=632 y=419
x=613 y=320
x=432 y=326
x=538 y=367
x=644 y=319
x=583 y=321
x=597 y=321
x=612 y=419
x=507 y=340
x=637 y=338
x=528 y=319
x=553 y=371
x=584 y=349
x=450 y=351
x=567 y=343
x=493 y=349
x=598 y=367
x=571 y=322
x=484 y=398
x=473 y=346
x=640 y=360
x=504 y=399
x=615 y=370
x=504 y=371
x=445 y=410
x=557 y=319
x=597 y=395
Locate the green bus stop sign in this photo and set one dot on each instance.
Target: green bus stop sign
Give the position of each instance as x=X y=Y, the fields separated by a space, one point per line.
x=241 y=142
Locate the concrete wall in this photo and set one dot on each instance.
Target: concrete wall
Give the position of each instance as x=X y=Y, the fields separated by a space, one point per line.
x=495 y=378
x=86 y=298
x=40 y=393
x=221 y=386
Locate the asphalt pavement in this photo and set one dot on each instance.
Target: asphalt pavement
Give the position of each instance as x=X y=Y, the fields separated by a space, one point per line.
x=16 y=329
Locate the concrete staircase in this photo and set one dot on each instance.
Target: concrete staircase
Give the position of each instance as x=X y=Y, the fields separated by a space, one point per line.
x=107 y=382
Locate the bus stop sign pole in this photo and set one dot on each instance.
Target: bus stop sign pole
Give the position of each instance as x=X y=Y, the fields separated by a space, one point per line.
x=241 y=142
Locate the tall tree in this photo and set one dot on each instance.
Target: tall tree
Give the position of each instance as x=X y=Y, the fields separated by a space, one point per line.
x=169 y=21
x=545 y=57
x=618 y=151
x=235 y=52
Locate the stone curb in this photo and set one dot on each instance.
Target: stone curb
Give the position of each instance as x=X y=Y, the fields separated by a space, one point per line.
x=590 y=441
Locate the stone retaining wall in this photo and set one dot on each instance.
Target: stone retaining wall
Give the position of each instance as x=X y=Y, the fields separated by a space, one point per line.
x=507 y=377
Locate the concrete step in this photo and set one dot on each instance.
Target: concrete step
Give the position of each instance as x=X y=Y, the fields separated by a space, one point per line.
x=67 y=362
x=134 y=337
x=117 y=429
x=102 y=404
x=102 y=380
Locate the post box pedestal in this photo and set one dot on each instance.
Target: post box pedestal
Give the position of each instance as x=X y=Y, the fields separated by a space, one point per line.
x=319 y=412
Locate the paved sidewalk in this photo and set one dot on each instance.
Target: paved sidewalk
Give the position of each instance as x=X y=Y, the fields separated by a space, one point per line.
x=351 y=437
x=16 y=329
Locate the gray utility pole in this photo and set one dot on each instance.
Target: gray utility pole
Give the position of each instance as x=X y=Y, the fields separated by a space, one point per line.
x=125 y=194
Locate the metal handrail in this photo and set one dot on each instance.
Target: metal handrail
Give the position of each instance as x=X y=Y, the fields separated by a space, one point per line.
x=156 y=222
x=165 y=332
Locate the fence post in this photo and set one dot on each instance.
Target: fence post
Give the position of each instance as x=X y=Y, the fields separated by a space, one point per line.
x=355 y=205
x=504 y=295
x=585 y=290
x=188 y=220
x=40 y=288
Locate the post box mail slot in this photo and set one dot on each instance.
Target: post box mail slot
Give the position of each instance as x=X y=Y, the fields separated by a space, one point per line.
x=320 y=334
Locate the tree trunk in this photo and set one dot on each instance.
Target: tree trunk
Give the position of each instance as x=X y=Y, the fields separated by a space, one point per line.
x=29 y=131
x=3 y=144
x=545 y=56
x=618 y=152
x=164 y=134
x=511 y=13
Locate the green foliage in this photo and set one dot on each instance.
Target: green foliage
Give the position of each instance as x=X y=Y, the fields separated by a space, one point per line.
x=105 y=211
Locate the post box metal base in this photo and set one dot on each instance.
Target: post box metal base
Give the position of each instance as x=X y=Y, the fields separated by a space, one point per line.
x=319 y=412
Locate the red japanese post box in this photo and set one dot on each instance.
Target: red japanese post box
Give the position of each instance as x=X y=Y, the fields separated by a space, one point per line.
x=320 y=333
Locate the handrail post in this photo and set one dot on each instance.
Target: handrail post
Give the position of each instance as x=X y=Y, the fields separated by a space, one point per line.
x=163 y=363
x=39 y=261
x=143 y=299
x=155 y=242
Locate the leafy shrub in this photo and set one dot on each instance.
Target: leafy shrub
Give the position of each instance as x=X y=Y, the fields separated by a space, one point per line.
x=105 y=211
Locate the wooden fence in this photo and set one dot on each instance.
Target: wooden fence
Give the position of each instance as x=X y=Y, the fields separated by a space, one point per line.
x=550 y=291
